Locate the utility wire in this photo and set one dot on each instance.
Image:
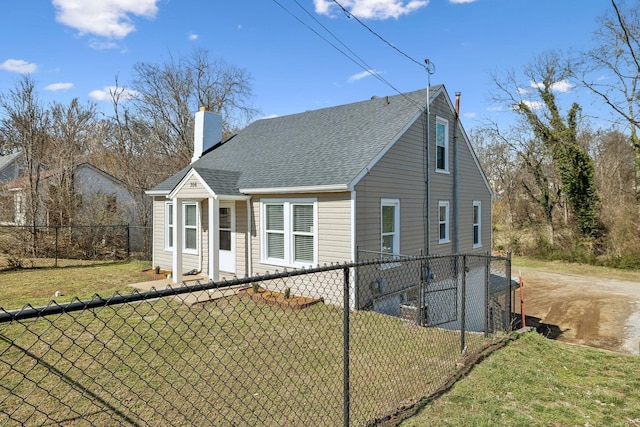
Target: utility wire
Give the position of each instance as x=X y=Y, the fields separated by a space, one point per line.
x=350 y=15
x=359 y=62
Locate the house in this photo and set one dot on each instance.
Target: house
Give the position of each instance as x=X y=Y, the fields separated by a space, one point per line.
x=386 y=176
x=98 y=198
x=10 y=166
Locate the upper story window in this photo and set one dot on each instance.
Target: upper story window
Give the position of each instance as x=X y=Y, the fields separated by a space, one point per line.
x=477 y=224
x=442 y=145
x=390 y=227
x=443 y=222
x=288 y=236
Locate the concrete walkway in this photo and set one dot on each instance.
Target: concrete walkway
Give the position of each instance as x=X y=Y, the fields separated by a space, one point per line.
x=188 y=298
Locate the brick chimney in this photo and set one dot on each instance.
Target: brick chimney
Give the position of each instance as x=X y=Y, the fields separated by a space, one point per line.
x=207 y=132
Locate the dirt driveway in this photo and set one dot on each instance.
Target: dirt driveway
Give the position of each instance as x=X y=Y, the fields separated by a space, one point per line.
x=583 y=307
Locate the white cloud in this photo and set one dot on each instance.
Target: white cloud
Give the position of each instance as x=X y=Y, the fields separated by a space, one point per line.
x=192 y=36
x=105 y=94
x=534 y=105
x=470 y=115
x=562 y=86
x=102 y=45
x=18 y=66
x=106 y=18
x=58 y=86
x=371 y=9
x=362 y=75
x=461 y=1
x=523 y=91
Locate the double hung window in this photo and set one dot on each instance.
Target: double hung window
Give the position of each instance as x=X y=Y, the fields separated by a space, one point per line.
x=168 y=215
x=289 y=232
x=443 y=222
x=390 y=227
x=477 y=224
x=189 y=227
x=442 y=145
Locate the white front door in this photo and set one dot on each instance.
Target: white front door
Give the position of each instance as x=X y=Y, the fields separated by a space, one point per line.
x=227 y=237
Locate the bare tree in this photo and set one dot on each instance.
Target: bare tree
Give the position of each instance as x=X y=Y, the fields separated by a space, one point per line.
x=616 y=57
x=167 y=95
x=558 y=135
x=24 y=127
x=71 y=133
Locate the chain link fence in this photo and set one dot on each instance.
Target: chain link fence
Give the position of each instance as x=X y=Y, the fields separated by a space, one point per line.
x=350 y=344
x=72 y=245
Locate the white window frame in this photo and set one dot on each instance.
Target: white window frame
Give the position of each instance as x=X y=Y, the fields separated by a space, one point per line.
x=168 y=225
x=445 y=222
x=477 y=204
x=445 y=123
x=395 y=203
x=289 y=234
x=186 y=227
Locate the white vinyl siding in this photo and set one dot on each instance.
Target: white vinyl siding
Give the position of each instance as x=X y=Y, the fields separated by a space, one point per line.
x=390 y=227
x=477 y=224
x=289 y=236
x=442 y=145
x=443 y=222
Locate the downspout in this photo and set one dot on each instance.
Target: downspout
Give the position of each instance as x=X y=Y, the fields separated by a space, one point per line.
x=456 y=213
x=427 y=213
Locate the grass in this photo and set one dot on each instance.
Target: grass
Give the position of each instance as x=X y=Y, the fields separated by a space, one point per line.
x=38 y=286
x=574 y=268
x=231 y=361
x=538 y=382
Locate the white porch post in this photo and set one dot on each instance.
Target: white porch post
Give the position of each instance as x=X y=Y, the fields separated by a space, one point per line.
x=176 y=268
x=214 y=239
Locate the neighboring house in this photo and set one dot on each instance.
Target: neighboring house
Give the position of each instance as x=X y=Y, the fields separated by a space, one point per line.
x=96 y=193
x=324 y=186
x=10 y=167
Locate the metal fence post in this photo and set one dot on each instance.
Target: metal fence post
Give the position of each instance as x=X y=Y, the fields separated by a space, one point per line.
x=509 y=291
x=487 y=302
x=55 y=263
x=463 y=303
x=345 y=349
x=128 y=241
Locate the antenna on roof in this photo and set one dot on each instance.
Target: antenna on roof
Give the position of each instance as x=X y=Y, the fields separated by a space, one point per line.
x=430 y=67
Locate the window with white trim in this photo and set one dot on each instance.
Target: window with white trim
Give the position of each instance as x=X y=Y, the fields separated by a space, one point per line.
x=390 y=227
x=443 y=222
x=190 y=227
x=289 y=235
x=168 y=229
x=477 y=224
x=442 y=145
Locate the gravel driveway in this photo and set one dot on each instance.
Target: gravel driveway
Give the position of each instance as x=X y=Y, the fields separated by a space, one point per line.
x=583 y=309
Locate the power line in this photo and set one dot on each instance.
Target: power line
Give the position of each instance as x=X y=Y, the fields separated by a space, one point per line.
x=358 y=61
x=350 y=15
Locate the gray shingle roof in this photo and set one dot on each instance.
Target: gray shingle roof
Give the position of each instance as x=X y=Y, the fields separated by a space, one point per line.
x=330 y=146
x=6 y=160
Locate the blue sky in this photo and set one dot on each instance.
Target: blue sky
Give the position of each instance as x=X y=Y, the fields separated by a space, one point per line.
x=76 y=48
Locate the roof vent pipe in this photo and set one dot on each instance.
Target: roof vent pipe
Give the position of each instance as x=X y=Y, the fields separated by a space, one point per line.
x=207 y=132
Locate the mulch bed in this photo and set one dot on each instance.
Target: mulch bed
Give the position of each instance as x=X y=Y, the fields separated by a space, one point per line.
x=152 y=273
x=278 y=299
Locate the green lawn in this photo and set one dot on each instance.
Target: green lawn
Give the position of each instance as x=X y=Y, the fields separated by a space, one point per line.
x=38 y=286
x=537 y=382
x=230 y=361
